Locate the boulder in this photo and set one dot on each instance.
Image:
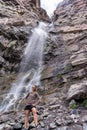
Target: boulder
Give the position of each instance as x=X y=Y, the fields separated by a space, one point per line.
x=76 y=127
x=77 y=91
x=52 y=126
x=17 y=127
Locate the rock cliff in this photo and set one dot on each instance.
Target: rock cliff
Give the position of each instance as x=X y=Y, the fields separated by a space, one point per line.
x=17 y=18
x=71 y=26
x=65 y=58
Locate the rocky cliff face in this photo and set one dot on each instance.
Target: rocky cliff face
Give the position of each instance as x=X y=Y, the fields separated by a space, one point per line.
x=71 y=26
x=65 y=53
x=65 y=60
x=16 y=21
x=17 y=18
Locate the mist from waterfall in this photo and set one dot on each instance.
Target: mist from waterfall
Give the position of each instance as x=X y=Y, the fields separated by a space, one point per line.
x=30 y=70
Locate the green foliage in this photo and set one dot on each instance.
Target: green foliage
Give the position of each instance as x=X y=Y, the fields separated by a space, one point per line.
x=73 y=106
x=84 y=104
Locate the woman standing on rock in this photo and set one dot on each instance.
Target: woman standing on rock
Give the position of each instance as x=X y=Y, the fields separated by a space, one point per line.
x=32 y=100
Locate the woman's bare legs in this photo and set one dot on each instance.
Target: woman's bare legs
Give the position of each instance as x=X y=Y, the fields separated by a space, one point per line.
x=34 y=111
x=27 y=112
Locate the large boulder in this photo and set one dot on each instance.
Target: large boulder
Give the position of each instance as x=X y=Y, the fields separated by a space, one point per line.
x=77 y=91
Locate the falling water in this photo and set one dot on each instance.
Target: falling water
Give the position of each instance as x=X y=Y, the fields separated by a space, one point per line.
x=30 y=70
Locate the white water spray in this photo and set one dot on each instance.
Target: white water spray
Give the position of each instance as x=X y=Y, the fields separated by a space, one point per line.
x=31 y=67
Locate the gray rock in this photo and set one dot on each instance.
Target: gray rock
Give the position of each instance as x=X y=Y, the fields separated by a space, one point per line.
x=63 y=128
x=54 y=107
x=75 y=111
x=59 y=122
x=2 y=60
x=75 y=127
x=78 y=59
x=17 y=127
x=84 y=126
x=42 y=124
x=72 y=102
x=45 y=114
x=84 y=118
x=77 y=91
x=52 y=126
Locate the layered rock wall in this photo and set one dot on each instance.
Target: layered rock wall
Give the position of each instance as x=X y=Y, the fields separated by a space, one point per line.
x=71 y=23
x=66 y=50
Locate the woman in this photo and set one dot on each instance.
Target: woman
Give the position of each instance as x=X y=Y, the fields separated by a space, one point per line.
x=32 y=101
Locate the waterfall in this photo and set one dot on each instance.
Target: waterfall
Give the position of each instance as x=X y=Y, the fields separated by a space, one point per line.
x=30 y=70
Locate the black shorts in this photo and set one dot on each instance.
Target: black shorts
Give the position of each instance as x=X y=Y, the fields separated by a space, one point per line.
x=29 y=107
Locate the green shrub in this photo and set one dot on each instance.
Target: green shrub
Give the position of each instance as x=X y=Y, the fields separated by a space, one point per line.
x=84 y=104
x=73 y=106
